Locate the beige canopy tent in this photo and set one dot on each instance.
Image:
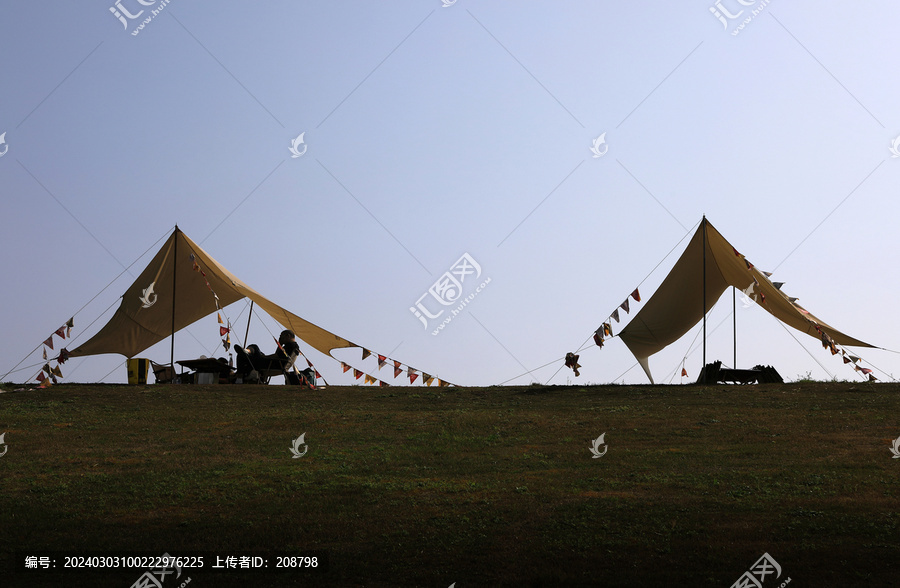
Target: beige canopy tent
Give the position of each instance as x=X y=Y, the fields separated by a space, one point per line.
x=181 y=285
x=708 y=266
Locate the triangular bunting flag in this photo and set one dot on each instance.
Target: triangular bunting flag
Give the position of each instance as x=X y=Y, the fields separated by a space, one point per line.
x=778 y=285
x=853 y=358
x=598 y=337
x=47 y=369
x=56 y=371
x=45 y=353
x=749 y=265
x=71 y=322
x=221 y=322
x=41 y=377
x=49 y=342
x=683 y=373
x=427 y=379
x=615 y=314
x=223 y=331
x=318 y=375
x=61 y=332
x=636 y=295
x=356 y=373
x=768 y=274
x=397 y=370
x=872 y=378
x=735 y=251
x=381 y=361
x=607 y=330
x=412 y=376
x=382 y=383
x=625 y=306
x=846 y=359
x=366 y=353
x=63 y=355
x=345 y=367
x=369 y=379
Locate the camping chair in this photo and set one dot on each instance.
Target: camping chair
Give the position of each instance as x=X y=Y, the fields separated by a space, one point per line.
x=164 y=373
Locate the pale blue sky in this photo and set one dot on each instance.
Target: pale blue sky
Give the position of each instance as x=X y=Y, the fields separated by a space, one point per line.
x=435 y=131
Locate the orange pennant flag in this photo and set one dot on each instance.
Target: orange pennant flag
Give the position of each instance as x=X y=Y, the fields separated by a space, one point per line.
x=683 y=373
x=221 y=322
x=369 y=379
x=427 y=379
x=56 y=371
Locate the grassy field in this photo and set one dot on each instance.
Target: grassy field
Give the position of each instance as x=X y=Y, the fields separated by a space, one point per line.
x=473 y=486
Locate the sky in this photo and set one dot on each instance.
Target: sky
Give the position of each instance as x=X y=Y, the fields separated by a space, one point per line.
x=341 y=158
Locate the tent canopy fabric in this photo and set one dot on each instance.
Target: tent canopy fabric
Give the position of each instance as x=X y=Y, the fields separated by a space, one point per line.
x=678 y=304
x=170 y=294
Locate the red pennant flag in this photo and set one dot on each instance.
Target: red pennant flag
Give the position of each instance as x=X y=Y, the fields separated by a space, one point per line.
x=735 y=251
x=49 y=342
x=412 y=376
x=345 y=366
x=865 y=370
x=615 y=314
x=625 y=305
x=318 y=375
x=381 y=361
x=683 y=373
x=223 y=331
x=63 y=355
x=61 y=332
x=382 y=383
x=356 y=373
x=762 y=297
x=749 y=265
x=636 y=295
x=366 y=353
x=41 y=377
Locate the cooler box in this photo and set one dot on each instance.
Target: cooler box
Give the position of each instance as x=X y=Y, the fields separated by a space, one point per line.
x=137 y=370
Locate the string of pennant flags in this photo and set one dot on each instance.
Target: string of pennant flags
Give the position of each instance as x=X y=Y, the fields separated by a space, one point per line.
x=604 y=331
x=48 y=374
x=827 y=342
x=398 y=367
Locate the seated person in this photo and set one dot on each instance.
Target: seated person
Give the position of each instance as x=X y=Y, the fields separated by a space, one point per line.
x=251 y=361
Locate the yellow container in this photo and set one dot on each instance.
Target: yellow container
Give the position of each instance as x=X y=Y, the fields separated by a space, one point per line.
x=137 y=370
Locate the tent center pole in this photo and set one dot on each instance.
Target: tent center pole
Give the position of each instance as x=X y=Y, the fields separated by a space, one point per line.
x=734 y=321
x=704 y=299
x=174 y=277
x=247 y=332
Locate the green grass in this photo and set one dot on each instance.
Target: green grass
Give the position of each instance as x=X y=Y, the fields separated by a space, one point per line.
x=479 y=486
